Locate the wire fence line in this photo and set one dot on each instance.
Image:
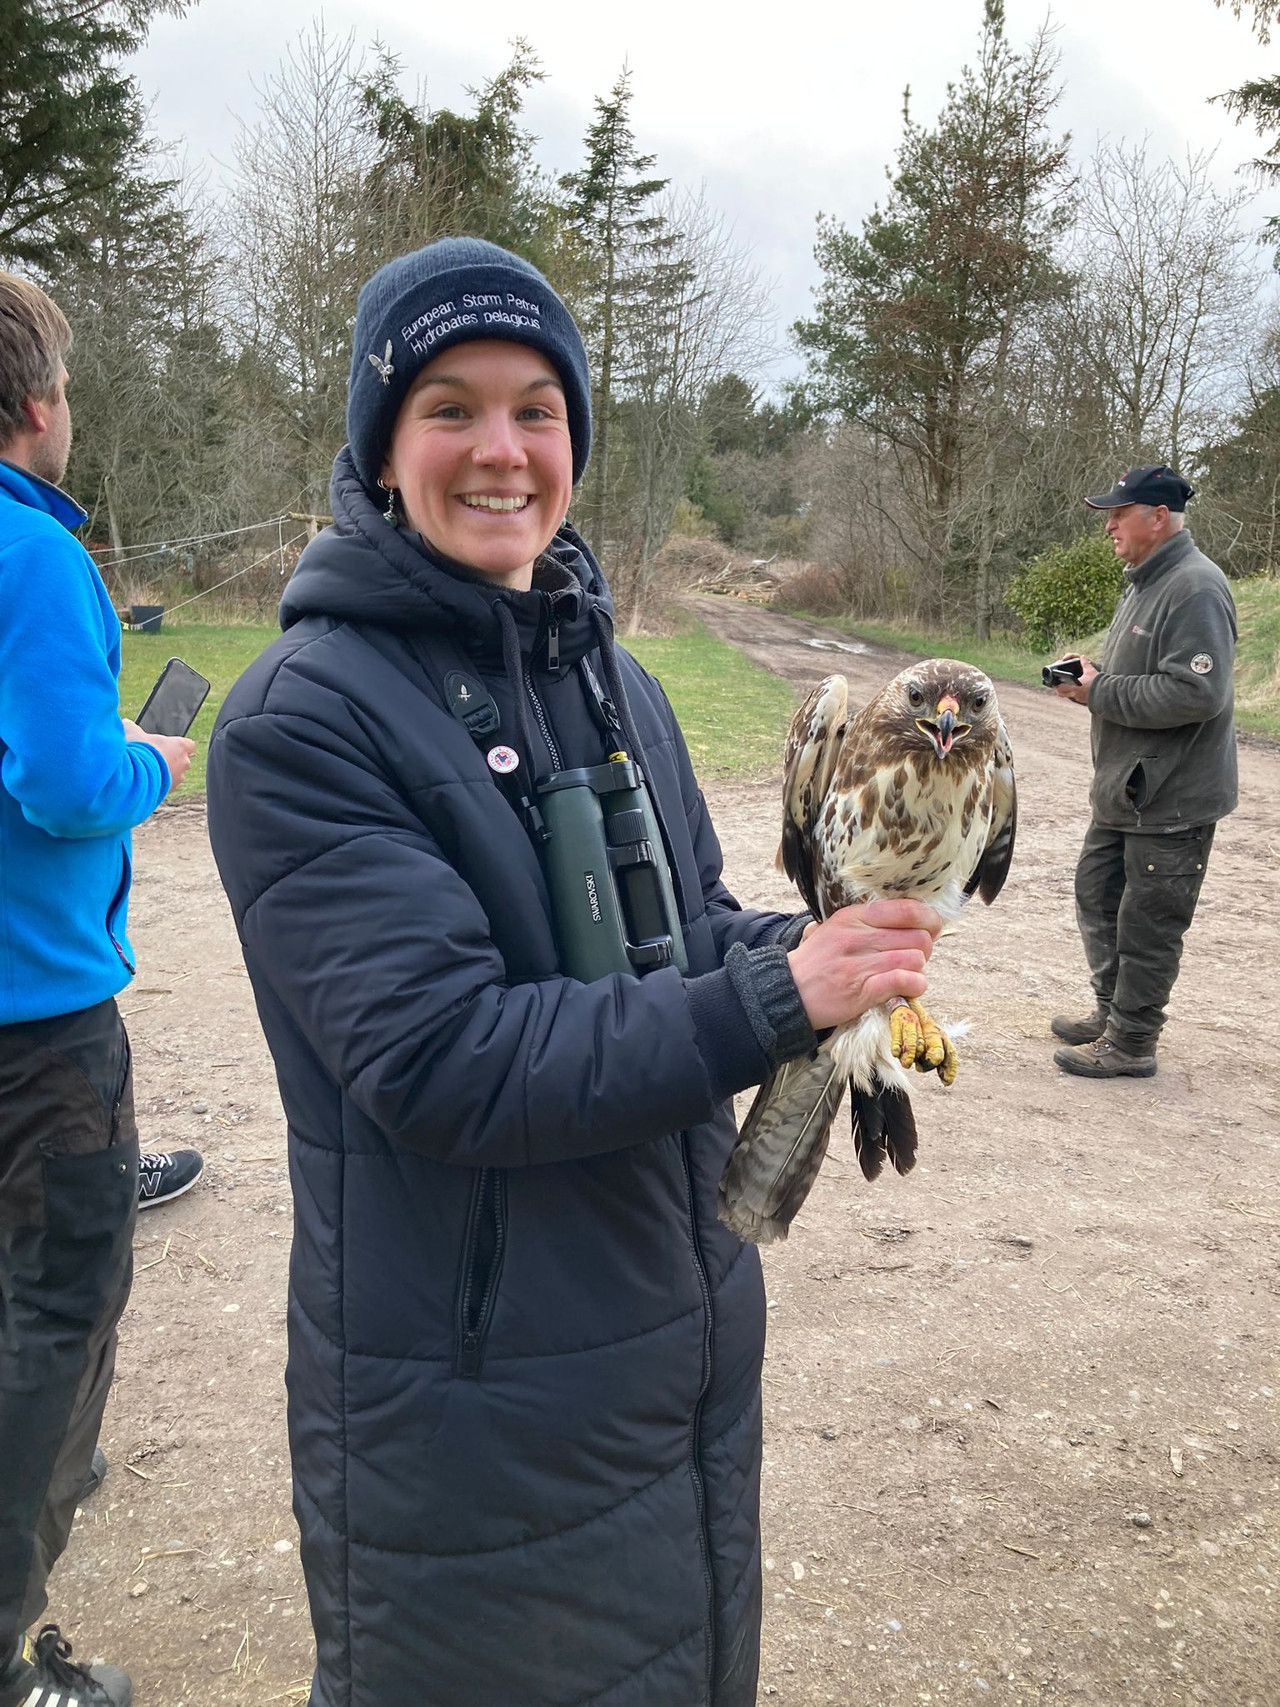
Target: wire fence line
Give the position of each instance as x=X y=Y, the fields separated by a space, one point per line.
x=257 y=563
x=109 y=558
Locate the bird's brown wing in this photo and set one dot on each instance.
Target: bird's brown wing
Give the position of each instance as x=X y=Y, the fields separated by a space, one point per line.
x=780 y=1149
x=813 y=747
x=993 y=863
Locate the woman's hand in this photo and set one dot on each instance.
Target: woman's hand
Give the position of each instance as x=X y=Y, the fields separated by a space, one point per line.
x=861 y=956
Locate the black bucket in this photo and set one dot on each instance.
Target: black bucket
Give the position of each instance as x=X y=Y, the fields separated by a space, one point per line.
x=146 y=619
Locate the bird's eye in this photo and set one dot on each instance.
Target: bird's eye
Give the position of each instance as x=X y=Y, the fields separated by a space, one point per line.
x=979 y=700
x=915 y=696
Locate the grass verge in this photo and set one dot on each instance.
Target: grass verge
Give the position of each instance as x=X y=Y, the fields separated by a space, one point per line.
x=734 y=714
x=219 y=653
x=1258 y=657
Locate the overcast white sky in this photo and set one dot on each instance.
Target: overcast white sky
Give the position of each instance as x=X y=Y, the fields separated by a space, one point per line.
x=781 y=110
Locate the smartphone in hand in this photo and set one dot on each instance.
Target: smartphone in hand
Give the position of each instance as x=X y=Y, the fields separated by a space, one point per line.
x=174 y=701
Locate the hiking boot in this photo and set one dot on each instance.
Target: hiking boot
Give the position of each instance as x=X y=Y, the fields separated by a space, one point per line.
x=164 y=1175
x=1103 y=1059
x=96 y=1477
x=43 y=1674
x=1086 y=1030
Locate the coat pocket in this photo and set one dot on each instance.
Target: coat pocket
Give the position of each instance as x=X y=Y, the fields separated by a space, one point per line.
x=90 y=1202
x=481 y=1269
x=116 y=911
x=66 y=1090
x=1148 y=777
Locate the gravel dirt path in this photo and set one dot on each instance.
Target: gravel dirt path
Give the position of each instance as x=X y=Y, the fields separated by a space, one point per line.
x=1022 y=1426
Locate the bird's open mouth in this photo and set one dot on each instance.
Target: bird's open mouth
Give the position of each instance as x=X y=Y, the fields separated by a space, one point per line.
x=942 y=729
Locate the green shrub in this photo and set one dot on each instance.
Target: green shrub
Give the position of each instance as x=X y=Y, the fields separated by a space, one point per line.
x=1067 y=592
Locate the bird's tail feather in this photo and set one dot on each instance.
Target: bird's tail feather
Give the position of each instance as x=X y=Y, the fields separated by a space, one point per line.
x=884 y=1128
x=780 y=1148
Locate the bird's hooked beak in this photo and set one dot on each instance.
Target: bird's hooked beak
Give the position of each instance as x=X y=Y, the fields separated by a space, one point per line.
x=942 y=728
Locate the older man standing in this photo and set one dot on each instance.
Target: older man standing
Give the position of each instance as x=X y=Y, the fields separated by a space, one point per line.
x=1164 y=758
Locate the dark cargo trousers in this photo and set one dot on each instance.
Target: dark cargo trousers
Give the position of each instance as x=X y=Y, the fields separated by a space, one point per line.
x=1135 y=897
x=68 y=1200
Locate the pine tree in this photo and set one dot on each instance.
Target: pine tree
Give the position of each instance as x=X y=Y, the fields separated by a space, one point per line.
x=610 y=213
x=1258 y=100
x=149 y=372
x=440 y=173
x=68 y=115
x=918 y=312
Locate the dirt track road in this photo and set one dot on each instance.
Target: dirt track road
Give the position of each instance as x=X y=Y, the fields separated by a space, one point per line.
x=977 y=1378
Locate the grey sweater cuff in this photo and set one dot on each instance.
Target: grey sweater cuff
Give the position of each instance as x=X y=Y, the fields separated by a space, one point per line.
x=762 y=981
x=789 y=936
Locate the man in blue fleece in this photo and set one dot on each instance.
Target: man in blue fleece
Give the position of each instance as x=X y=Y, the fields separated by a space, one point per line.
x=74 y=780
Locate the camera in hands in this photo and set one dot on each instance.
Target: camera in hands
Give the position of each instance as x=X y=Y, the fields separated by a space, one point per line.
x=1063 y=672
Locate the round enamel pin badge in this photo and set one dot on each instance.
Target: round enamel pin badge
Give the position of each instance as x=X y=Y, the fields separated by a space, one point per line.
x=1202 y=663
x=503 y=760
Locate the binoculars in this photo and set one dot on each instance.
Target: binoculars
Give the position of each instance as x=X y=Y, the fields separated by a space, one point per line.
x=606 y=869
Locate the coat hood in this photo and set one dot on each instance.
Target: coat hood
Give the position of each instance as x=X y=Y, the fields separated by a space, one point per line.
x=359 y=569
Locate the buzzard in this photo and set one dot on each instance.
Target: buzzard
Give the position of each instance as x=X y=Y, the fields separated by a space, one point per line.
x=913 y=797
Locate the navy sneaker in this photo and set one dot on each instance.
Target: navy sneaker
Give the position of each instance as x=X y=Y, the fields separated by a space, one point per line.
x=164 y=1175
x=43 y=1674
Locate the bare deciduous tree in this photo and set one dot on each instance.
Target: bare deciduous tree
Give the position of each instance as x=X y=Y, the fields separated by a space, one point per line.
x=302 y=233
x=1165 y=302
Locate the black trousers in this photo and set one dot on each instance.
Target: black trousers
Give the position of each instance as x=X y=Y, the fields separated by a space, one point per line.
x=68 y=1200
x=1135 y=897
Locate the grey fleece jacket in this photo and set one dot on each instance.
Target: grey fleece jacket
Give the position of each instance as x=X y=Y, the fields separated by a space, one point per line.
x=1164 y=746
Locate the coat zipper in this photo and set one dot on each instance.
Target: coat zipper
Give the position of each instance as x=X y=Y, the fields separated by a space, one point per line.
x=479 y=1289
x=553 y=664
x=695 y=1427
x=122 y=890
x=543 y=725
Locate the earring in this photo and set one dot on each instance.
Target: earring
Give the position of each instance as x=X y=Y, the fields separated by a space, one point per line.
x=389 y=514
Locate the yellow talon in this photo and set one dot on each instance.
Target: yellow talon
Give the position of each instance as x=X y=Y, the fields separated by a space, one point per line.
x=906 y=1040
x=934 y=1047
x=917 y=1040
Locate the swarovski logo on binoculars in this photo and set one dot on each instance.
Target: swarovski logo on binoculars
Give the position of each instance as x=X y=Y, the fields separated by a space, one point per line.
x=593 y=900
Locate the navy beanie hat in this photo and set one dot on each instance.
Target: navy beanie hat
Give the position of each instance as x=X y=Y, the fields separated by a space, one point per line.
x=454 y=290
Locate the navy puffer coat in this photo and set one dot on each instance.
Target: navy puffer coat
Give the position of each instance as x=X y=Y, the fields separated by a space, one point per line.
x=524 y=1356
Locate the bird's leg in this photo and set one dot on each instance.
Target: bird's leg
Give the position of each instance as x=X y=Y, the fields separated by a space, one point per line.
x=917 y=1040
x=939 y=1052
x=906 y=1037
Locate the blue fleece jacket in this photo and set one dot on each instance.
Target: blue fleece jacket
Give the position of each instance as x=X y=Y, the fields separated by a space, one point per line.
x=71 y=786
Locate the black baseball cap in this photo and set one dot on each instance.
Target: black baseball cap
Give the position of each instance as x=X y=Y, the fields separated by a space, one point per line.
x=1153 y=483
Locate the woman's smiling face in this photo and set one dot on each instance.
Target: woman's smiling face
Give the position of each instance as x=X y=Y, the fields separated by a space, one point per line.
x=482 y=459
